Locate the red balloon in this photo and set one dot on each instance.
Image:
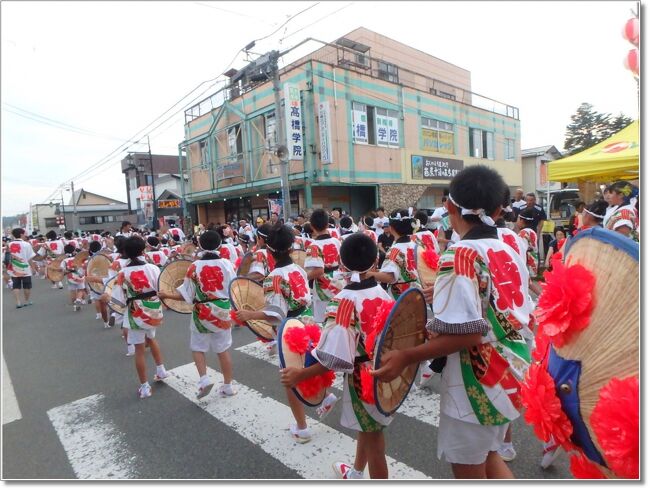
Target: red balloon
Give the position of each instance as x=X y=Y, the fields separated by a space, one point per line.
x=631 y=31
x=631 y=61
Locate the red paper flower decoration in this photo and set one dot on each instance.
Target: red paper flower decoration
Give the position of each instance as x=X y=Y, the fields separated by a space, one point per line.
x=541 y=346
x=367 y=385
x=378 y=325
x=431 y=258
x=234 y=319
x=615 y=421
x=543 y=408
x=296 y=339
x=312 y=386
x=566 y=302
x=581 y=467
x=313 y=332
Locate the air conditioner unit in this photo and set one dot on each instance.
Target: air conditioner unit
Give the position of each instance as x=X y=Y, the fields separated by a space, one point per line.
x=362 y=59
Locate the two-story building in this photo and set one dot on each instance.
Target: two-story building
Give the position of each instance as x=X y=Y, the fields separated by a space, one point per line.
x=369 y=121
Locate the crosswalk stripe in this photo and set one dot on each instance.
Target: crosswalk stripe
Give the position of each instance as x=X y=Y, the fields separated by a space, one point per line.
x=419 y=404
x=94 y=446
x=261 y=420
x=10 y=408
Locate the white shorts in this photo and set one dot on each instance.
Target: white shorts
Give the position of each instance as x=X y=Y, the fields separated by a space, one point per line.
x=136 y=337
x=466 y=443
x=214 y=341
x=75 y=287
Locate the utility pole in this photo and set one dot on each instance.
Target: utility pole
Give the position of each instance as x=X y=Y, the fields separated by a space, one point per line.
x=281 y=151
x=74 y=207
x=154 y=225
x=65 y=225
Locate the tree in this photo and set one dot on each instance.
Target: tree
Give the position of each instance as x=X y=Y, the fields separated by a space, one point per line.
x=589 y=127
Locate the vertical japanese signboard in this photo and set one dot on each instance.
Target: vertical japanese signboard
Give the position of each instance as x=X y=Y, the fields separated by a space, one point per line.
x=387 y=130
x=293 y=118
x=360 y=126
x=325 y=132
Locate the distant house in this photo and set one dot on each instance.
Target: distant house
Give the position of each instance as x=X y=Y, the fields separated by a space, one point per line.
x=96 y=213
x=535 y=169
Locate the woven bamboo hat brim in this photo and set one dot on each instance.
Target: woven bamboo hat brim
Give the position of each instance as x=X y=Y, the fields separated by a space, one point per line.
x=98 y=265
x=609 y=347
x=171 y=277
x=404 y=328
x=426 y=275
x=288 y=358
x=80 y=258
x=248 y=295
x=245 y=265
x=298 y=257
x=114 y=305
x=53 y=270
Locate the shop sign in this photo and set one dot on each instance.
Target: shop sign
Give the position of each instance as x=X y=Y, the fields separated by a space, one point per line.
x=293 y=118
x=387 y=129
x=360 y=126
x=169 y=203
x=325 y=132
x=424 y=167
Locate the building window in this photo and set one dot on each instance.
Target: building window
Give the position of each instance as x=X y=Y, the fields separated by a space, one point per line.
x=437 y=136
x=445 y=95
x=270 y=135
x=387 y=127
x=110 y=219
x=481 y=144
x=387 y=71
x=51 y=223
x=510 y=149
x=203 y=151
x=363 y=122
x=235 y=146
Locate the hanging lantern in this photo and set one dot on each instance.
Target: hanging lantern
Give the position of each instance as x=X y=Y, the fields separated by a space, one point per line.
x=631 y=31
x=631 y=61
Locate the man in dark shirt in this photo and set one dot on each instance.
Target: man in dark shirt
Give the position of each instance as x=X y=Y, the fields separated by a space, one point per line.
x=385 y=240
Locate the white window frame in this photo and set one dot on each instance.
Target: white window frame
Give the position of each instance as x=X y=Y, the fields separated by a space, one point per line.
x=485 y=146
x=509 y=149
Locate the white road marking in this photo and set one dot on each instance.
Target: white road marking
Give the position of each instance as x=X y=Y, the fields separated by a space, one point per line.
x=10 y=408
x=94 y=446
x=422 y=405
x=263 y=421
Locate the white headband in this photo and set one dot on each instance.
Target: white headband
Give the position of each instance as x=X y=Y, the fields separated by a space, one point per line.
x=594 y=214
x=476 y=212
x=355 y=276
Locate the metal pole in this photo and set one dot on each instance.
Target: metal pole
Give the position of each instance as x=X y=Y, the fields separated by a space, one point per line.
x=153 y=189
x=74 y=207
x=65 y=224
x=282 y=140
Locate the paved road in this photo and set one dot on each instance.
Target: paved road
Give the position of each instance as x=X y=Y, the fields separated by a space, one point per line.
x=75 y=413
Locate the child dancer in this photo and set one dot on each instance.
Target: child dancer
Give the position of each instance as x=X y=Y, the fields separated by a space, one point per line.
x=136 y=287
x=480 y=306
x=206 y=287
x=342 y=347
x=75 y=277
x=100 y=305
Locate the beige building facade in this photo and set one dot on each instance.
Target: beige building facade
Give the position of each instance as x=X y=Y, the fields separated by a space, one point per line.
x=379 y=123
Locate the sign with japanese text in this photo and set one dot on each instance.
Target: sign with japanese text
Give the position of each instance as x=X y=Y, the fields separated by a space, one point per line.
x=440 y=141
x=423 y=167
x=146 y=193
x=359 y=126
x=325 y=132
x=169 y=203
x=293 y=121
x=276 y=206
x=387 y=130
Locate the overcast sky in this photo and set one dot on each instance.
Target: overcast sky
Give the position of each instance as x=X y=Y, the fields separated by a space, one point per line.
x=105 y=70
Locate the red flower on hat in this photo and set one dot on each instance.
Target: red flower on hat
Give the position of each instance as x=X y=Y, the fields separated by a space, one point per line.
x=330 y=255
x=566 y=302
x=138 y=280
x=211 y=278
x=297 y=284
x=506 y=279
x=367 y=385
x=14 y=248
x=615 y=422
x=368 y=312
x=543 y=408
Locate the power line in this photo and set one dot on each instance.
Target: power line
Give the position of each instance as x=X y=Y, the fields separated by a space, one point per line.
x=105 y=160
x=231 y=12
x=317 y=21
x=58 y=125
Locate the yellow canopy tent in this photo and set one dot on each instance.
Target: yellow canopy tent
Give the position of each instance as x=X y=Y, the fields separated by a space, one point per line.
x=616 y=158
